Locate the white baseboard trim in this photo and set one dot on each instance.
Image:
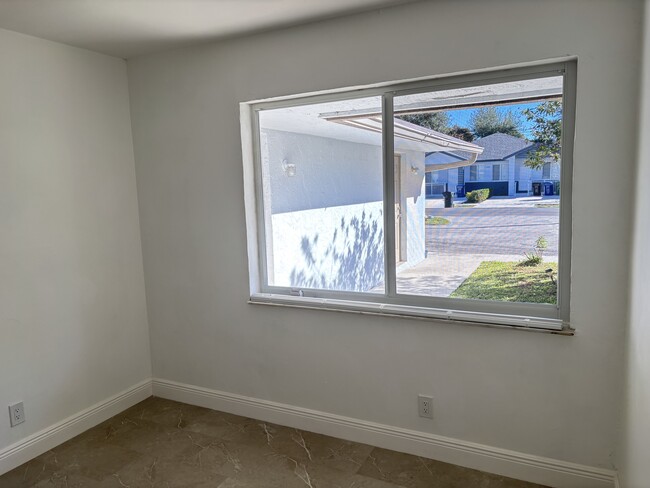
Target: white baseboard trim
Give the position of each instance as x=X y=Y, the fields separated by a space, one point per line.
x=40 y=442
x=527 y=467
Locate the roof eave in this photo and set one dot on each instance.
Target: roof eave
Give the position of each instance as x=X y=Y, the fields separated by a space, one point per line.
x=457 y=164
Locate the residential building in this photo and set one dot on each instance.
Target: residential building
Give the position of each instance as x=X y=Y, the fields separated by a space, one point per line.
x=501 y=168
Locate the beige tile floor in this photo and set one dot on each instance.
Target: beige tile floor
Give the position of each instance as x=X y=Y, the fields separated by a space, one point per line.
x=164 y=444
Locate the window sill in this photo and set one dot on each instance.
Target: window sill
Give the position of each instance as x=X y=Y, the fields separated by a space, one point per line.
x=531 y=324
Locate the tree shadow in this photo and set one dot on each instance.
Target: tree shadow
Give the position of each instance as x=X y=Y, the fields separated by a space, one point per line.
x=353 y=259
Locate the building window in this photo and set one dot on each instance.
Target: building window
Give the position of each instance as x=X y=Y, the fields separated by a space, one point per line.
x=335 y=213
x=546 y=171
x=496 y=172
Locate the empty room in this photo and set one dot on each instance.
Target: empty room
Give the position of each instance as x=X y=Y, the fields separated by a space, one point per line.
x=324 y=243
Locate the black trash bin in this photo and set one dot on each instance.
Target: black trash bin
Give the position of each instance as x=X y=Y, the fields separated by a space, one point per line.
x=537 y=189
x=548 y=188
x=448 y=201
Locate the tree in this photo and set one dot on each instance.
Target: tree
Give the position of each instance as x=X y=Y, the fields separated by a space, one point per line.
x=438 y=121
x=488 y=120
x=461 y=133
x=547 y=133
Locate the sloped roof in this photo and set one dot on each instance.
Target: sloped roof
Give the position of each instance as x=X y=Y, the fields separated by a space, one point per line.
x=497 y=147
x=442 y=157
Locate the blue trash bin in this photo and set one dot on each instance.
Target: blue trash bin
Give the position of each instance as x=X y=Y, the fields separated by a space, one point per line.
x=460 y=190
x=548 y=188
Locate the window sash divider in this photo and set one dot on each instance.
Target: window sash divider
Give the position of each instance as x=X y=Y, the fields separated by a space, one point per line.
x=569 y=84
x=388 y=156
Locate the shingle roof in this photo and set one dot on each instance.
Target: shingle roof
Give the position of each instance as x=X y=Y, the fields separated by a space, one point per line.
x=499 y=146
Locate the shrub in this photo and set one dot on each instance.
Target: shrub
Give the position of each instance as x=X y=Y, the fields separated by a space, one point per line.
x=530 y=259
x=535 y=257
x=477 y=196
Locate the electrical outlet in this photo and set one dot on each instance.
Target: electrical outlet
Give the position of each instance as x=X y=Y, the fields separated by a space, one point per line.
x=16 y=414
x=425 y=406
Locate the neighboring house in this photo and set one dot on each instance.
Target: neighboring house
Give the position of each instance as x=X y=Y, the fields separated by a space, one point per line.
x=500 y=167
x=327 y=231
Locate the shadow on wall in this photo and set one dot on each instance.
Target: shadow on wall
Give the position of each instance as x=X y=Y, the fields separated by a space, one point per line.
x=353 y=259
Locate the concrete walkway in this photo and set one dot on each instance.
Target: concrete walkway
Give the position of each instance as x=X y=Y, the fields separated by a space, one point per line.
x=520 y=202
x=440 y=274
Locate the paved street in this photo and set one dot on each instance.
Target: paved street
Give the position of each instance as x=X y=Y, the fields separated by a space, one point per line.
x=497 y=230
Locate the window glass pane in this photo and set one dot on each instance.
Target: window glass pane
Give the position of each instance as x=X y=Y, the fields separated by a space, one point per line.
x=323 y=195
x=503 y=248
x=496 y=172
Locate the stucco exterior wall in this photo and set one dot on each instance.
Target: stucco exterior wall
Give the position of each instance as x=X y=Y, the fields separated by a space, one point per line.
x=333 y=248
x=413 y=205
x=329 y=172
x=326 y=221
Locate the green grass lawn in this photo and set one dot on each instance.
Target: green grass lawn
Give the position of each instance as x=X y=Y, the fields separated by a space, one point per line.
x=436 y=221
x=496 y=280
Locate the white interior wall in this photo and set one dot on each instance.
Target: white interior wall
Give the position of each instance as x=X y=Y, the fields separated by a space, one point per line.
x=72 y=301
x=536 y=393
x=632 y=458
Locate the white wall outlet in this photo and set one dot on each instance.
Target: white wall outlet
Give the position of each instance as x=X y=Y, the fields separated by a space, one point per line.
x=425 y=406
x=16 y=414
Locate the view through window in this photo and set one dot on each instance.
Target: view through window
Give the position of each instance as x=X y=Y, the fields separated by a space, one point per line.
x=323 y=198
x=474 y=212
x=498 y=236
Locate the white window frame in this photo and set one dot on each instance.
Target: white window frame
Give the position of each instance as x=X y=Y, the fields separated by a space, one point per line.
x=555 y=317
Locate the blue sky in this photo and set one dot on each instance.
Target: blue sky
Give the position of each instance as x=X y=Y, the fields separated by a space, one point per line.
x=462 y=117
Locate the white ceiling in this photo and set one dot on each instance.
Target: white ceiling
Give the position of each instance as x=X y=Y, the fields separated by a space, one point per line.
x=127 y=28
